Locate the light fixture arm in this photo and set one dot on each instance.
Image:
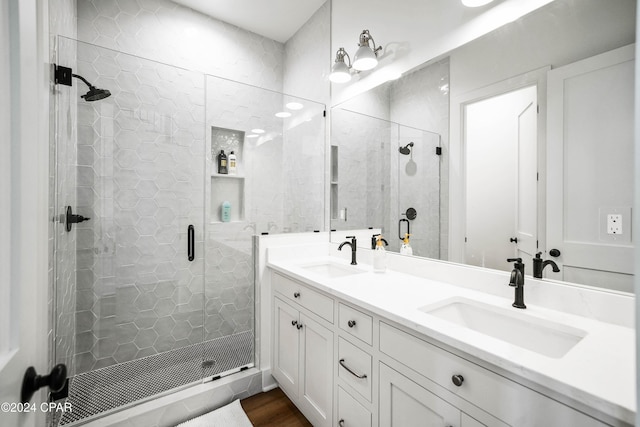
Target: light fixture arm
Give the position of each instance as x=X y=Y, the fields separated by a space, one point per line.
x=365 y=36
x=341 y=54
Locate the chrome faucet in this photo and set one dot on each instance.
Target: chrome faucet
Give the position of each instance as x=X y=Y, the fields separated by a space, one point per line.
x=539 y=265
x=351 y=243
x=517 y=281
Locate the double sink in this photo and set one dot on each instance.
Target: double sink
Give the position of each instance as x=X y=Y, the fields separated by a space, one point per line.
x=509 y=325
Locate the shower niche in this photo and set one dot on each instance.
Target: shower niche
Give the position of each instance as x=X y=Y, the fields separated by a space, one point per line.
x=227 y=190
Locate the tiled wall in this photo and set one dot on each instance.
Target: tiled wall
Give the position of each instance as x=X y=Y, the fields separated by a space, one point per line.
x=140 y=166
x=172 y=34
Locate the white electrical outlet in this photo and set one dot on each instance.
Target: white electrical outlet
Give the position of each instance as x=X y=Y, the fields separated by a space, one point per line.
x=614 y=224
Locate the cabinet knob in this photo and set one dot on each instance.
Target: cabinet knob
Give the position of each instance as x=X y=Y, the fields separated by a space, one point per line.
x=296 y=294
x=554 y=253
x=457 y=380
x=351 y=323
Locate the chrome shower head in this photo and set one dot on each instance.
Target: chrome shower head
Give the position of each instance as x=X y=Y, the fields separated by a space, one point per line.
x=406 y=150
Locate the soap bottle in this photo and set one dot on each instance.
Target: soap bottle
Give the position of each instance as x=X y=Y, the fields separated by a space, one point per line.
x=406 y=248
x=233 y=169
x=222 y=163
x=379 y=256
x=226 y=211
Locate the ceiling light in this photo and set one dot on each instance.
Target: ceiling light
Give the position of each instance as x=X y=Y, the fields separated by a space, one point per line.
x=252 y=136
x=294 y=106
x=340 y=70
x=475 y=3
x=366 y=57
x=283 y=114
x=257 y=130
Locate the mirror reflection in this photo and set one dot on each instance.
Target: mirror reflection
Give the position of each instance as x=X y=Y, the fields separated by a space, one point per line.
x=534 y=128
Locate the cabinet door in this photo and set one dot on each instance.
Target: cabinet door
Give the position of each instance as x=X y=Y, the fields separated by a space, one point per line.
x=404 y=403
x=316 y=370
x=286 y=347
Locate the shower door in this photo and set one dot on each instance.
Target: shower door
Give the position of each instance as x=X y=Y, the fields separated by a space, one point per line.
x=129 y=279
x=419 y=189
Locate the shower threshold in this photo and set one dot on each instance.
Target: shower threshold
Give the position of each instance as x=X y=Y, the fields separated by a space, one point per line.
x=102 y=391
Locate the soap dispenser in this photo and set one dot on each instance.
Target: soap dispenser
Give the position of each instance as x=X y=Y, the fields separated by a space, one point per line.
x=406 y=248
x=379 y=256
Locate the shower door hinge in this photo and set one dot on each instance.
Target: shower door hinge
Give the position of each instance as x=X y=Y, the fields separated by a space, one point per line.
x=63 y=75
x=438 y=151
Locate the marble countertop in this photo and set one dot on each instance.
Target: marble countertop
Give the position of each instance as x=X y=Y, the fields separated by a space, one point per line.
x=598 y=371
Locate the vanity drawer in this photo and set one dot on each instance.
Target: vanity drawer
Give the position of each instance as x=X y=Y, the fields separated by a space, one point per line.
x=506 y=400
x=354 y=367
x=355 y=323
x=308 y=298
x=350 y=412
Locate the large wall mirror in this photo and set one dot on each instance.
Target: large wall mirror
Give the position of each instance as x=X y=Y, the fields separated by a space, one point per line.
x=515 y=144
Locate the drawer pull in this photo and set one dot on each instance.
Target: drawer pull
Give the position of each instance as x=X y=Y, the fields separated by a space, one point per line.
x=341 y=423
x=457 y=380
x=351 y=372
x=351 y=323
x=296 y=294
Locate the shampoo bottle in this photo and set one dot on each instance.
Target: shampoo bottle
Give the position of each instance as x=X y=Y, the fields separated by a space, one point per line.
x=379 y=256
x=222 y=163
x=406 y=248
x=233 y=169
x=226 y=211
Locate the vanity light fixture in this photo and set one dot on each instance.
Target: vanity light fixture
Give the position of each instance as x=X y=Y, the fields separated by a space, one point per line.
x=366 y=58
x=475 y=3
x=340 y=71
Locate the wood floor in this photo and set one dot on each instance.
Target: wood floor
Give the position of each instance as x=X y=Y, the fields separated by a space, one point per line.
x=273 y=408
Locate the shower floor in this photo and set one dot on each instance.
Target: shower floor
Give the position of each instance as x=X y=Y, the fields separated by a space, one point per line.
x=103 y=390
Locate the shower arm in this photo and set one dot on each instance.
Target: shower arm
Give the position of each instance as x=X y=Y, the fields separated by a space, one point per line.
x=83 y=79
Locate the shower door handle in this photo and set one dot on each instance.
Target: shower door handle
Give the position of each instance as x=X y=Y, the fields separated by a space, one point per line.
x=191 y=249
x=400 y=235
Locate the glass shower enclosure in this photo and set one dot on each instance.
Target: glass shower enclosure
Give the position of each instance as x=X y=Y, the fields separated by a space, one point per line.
x=385 y=175
x=153 y=287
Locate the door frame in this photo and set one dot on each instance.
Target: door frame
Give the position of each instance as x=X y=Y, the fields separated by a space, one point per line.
x=457 y=177
x=28 y=214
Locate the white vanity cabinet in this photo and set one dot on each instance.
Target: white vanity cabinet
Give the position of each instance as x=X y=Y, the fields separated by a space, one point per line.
x=367 y=371
x=472 y=387
x=303 y=348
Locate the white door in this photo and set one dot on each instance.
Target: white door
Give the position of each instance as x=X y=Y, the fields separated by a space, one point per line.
x=501 y=143
x=590 y=169
x=526 y=221
x=23 y=216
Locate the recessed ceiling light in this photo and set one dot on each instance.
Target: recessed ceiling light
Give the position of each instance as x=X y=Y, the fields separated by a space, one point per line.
x=257 y=130
x=252 y=136
x=283 y=114
x=475 y=3
x=294 y=106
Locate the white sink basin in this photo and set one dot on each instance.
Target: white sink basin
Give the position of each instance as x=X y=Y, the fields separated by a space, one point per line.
x=510 y=325
x=332 y=270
